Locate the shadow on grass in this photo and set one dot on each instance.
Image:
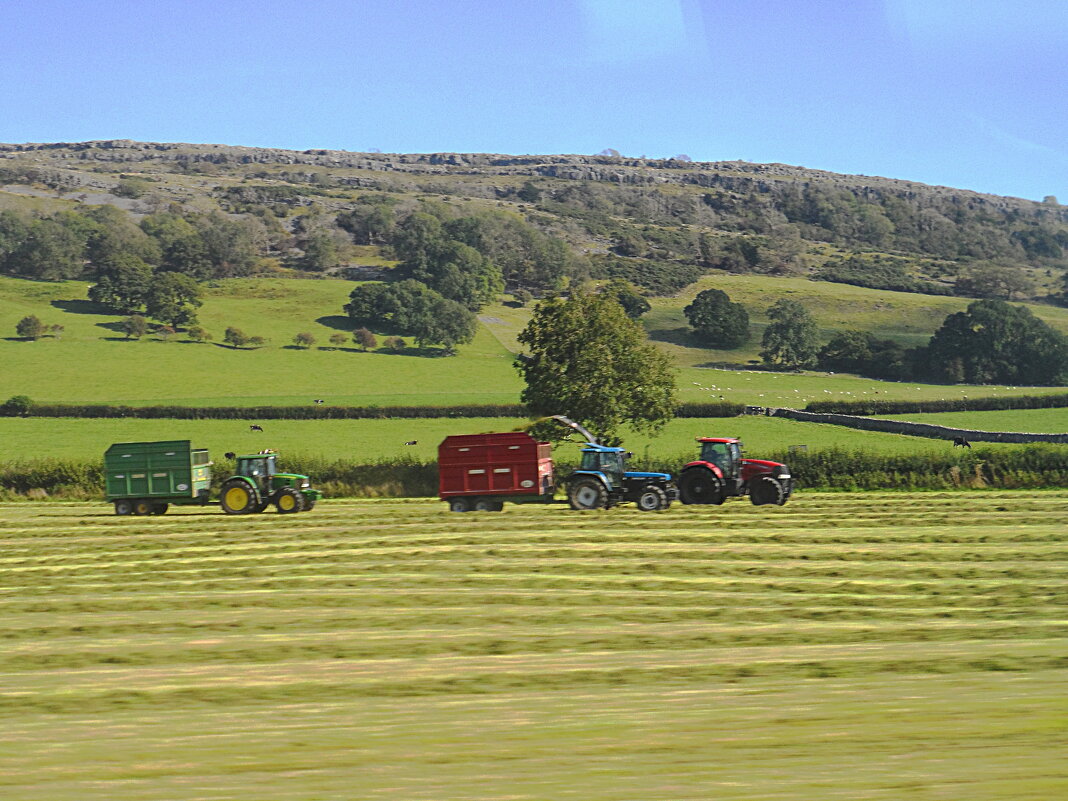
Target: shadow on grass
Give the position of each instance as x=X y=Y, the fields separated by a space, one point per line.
x=675 y=336
x=339 y=322
x=82 y=307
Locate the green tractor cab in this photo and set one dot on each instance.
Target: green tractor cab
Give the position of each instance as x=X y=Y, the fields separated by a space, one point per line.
x=257 y=484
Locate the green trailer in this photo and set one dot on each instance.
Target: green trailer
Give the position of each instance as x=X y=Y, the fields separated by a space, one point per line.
x=144 y=478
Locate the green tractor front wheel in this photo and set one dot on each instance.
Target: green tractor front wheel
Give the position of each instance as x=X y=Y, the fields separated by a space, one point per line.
x=287 y=500
x=239 y=497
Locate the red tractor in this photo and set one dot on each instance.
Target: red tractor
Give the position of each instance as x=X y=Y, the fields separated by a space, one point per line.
x=722 y=473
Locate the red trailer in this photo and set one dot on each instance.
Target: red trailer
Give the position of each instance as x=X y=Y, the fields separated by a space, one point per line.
x=482 y=471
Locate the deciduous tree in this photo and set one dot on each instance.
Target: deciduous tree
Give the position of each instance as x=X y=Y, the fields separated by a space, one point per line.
x=585 y=358
x=173 y=298
x=716 y=321
x=791 y=339
x=994 y=341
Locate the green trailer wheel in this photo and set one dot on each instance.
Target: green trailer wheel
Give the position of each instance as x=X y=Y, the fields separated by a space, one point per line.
x=123 y=507
x=160 y=508
x=143 y=507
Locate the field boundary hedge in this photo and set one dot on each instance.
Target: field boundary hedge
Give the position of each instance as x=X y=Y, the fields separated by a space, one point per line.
x=912 y=429
x=318 y=412
x=986 y=404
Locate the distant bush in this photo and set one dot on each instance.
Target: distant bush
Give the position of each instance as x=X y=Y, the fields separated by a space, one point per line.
x=878 y=272
x=657 y=277
x=30 y=327
x=16 y=406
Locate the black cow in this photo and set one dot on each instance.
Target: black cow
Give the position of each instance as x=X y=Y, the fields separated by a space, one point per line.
x=961 y=442
x=412 y=442
x=255 y=428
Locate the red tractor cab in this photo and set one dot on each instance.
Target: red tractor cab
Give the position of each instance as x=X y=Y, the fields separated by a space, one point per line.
x=721 y=472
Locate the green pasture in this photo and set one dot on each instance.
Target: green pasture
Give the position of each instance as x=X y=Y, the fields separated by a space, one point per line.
x=364 y=441
x=866 y=647
x=1030 y=421
x=909 y=318
x=92 y=362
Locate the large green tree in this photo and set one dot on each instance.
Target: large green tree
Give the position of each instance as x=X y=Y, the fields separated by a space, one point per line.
x=415 y=309
x=123 y=284
x=791 y=339
x=586 y=359
x=173 y=298
x=716 y=321
x=996 y=342
x=52 y=250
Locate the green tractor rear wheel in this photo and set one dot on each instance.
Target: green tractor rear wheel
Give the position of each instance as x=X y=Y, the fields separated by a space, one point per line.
x=239 y=497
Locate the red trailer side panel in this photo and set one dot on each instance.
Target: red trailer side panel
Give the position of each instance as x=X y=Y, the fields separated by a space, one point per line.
x=510 y=463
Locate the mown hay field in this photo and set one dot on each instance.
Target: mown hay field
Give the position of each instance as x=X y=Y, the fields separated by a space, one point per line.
x=845 y=646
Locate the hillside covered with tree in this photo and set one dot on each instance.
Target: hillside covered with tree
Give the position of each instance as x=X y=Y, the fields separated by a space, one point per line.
x=463 y=223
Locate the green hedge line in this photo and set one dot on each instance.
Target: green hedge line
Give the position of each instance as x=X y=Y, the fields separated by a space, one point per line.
x=1020 y=467
x=989 y=404
x=717 y=409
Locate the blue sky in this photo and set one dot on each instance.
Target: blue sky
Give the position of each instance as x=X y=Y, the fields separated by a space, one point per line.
x=965 y=93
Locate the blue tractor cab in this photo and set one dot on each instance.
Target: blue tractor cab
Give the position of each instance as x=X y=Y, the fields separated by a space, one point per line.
x=602 y=481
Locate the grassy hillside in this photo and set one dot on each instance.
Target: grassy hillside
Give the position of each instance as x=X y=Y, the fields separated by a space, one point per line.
x=905 y=646
x=92 y=362
x=1031 y=421
x=907 y=317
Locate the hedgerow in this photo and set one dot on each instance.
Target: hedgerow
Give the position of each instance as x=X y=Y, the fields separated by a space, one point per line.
x=1023 y=467
x=29 y=409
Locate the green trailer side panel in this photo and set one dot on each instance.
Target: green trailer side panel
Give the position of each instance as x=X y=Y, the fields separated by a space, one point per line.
x=166 y=469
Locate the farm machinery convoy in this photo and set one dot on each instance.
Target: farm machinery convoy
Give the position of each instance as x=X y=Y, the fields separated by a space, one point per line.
x=483 y=471
x=476 y=472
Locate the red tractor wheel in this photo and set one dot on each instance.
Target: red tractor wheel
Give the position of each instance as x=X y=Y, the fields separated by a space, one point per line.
x=766 y=490
x=700 y=485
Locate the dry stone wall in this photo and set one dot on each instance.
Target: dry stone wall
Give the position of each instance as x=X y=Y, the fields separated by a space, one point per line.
x=914 y=429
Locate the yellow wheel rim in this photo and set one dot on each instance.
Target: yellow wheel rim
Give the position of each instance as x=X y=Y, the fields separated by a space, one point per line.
x=287 y=502
x=143 y=509
x=237 y=497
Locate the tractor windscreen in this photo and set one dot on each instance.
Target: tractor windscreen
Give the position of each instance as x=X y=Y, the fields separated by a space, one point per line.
x=257 y=468
x=723 y=455
x=611 y=464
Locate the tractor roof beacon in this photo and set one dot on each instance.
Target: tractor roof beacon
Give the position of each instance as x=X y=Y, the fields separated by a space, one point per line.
x=721 y=472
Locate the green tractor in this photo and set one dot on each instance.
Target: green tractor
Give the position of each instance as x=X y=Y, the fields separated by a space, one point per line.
x=257 y=484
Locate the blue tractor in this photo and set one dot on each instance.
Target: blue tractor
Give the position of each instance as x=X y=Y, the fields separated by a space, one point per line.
x=602 y=481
